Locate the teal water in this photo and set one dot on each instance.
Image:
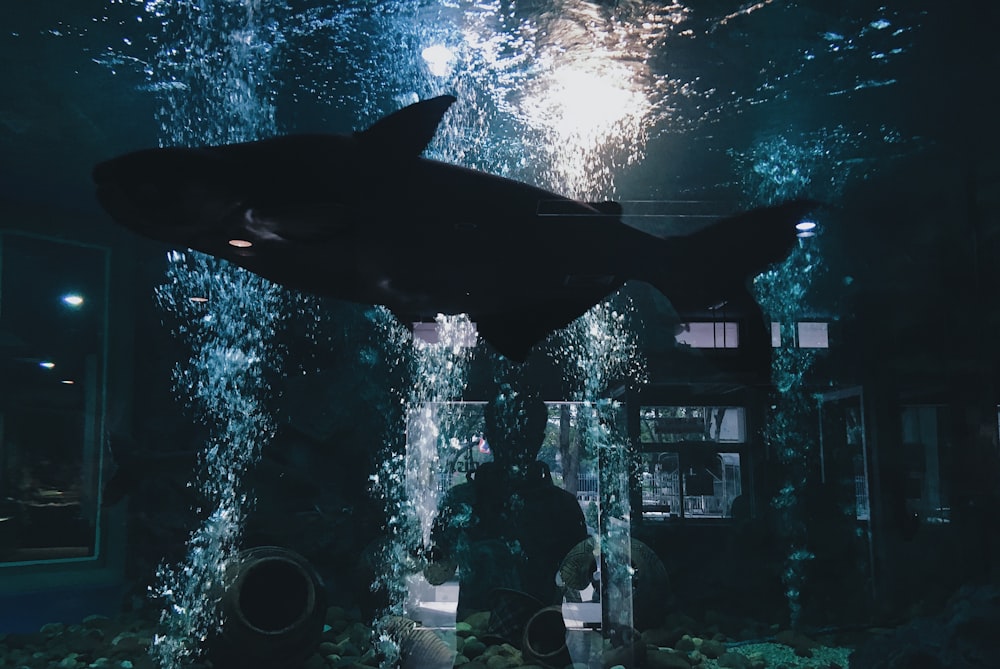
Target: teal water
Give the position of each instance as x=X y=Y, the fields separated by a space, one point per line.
x=866 y=453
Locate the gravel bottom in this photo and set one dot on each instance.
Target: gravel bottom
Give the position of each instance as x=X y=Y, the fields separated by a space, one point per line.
x=779 y=655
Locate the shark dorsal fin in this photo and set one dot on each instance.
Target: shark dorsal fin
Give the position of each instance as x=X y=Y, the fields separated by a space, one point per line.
x=408 y=131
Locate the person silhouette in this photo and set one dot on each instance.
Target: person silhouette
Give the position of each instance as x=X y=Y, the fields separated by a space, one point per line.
x=510 y=526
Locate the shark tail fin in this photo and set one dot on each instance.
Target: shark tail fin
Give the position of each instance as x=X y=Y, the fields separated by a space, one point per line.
x=704 y=267
x=714 y=266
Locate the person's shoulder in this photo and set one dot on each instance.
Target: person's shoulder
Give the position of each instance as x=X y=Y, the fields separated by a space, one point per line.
x=463 y=493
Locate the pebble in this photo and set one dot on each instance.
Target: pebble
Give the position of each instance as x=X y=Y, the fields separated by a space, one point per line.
x=315 y=662
x=473 y=648
x=712 y=649
x=52 y=629
x=99 y=642
x=734 y=661
x=665 y=659
x=69 y=662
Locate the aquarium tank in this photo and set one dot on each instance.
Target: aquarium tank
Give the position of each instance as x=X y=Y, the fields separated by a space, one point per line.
x=589 y=334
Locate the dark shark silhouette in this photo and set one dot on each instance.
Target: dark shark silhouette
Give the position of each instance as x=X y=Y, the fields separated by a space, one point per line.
x=364 y=218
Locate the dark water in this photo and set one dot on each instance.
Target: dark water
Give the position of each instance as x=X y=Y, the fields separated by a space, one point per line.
x=847 y=489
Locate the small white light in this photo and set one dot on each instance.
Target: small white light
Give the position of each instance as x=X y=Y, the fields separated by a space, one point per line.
x=805 y=235
x=47 y=364
x=67 y=382
x=73 y=300
x=805 y=226
x=198 y=300
x=240 y=243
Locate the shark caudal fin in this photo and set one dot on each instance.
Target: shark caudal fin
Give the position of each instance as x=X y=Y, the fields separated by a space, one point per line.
x=714 y=266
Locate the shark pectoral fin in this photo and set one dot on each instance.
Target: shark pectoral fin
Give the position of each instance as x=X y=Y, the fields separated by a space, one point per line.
x=302 y=224
x=513 y=334
x=407 y=132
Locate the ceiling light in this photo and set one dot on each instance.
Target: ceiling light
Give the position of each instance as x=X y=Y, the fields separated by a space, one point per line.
x=240 y=243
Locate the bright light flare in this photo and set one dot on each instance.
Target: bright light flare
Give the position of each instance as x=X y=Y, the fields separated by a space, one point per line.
x=72 y=300
x=587 y=101
x=585 y=109
x=440 y=60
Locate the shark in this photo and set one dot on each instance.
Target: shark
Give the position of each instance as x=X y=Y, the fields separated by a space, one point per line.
x=365 y=217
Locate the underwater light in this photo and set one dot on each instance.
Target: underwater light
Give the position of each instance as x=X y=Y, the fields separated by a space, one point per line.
x=240 y=243
x=198 y=300
x=73 y=300
x=806 y=229
x=67 y=382
x=47 y=364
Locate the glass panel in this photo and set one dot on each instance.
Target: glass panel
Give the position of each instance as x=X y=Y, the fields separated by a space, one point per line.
x=661 y=485
x=52 y=325
x=711 y=487
x=670 y=424
x=470 y=531
x=921 y=486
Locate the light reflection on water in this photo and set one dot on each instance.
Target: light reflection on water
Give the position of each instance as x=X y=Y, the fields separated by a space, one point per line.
x=560 y=93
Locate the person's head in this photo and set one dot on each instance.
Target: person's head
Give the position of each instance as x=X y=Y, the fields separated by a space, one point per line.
x=515 y=427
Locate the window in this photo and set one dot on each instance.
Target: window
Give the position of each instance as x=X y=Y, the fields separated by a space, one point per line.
x=812 y=335
x=53 y=320
x=711 y=334
x=667 y=424
x=807 y=334
x=691 y=464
